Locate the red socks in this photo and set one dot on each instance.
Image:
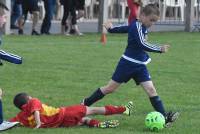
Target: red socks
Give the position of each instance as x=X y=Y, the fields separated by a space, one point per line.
x=93 y=123
x=109 y=111
x=114 y=110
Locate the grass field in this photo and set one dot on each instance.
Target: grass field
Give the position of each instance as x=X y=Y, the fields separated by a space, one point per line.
x=63 y=70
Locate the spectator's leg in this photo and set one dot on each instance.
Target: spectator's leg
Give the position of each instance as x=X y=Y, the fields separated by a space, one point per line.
x=22 y=18
x=21 y=24
x=17 y=12
x=35 y=20
x=49 y=10
x=66 y=7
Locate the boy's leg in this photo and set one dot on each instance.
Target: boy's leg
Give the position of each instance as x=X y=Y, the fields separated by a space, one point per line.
x=154 y=98
x=96 y=123
x=10 y=57
x=89 y=122
x=110 y=110
x=107 y=110
x=101 y=92
x=157 y=103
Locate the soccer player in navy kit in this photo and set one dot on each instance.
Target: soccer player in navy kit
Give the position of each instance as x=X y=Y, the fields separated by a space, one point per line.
x=132 y=64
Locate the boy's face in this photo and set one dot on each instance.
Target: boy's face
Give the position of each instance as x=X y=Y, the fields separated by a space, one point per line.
x=149 y=20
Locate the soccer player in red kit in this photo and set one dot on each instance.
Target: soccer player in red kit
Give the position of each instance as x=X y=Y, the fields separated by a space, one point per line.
x=134 y=7
x=34 y=114
x=134 y=11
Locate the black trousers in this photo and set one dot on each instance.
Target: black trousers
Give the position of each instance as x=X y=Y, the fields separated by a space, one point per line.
x=49 y=6
x=69 y=8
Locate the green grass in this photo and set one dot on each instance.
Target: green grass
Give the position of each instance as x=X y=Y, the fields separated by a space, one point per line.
x=63 y=70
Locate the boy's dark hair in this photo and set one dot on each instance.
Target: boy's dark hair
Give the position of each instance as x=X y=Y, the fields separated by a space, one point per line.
x=151 y=9
x=20 y=99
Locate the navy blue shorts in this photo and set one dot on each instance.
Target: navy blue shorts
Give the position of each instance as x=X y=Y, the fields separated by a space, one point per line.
x=127 y=70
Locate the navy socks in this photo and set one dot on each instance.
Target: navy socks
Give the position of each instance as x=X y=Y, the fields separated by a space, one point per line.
x=157 y=104
x=97 y=95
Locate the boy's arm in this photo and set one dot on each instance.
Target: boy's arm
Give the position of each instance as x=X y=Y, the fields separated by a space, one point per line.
x=37 y=119
x=12 y=58
x=116 y=29
x=141 y=41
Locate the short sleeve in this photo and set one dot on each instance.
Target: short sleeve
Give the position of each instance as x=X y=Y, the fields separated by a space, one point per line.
x=34 y=105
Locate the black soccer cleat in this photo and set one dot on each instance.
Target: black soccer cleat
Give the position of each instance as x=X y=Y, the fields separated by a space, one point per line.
x=171 y=117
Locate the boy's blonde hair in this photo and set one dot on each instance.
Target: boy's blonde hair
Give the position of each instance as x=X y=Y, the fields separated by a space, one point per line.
x=151 y=9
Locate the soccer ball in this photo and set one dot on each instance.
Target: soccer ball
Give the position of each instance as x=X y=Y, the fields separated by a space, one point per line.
x=155 y=121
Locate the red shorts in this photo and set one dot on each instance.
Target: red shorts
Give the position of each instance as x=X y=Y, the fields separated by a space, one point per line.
x=73 y=115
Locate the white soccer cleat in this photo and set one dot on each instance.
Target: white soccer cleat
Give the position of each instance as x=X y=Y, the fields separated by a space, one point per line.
x=5 y=125
x=129 y=108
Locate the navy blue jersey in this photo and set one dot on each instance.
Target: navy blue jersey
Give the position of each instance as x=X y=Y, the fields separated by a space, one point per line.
x=137 y=44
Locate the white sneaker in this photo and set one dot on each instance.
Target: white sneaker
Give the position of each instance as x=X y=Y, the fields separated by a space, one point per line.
x=7 y=125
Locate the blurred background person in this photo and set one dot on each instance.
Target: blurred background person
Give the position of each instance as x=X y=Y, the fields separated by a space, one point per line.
x=29 y=6
x=16 y=12
x=58 y=10
x=69 y=9
x=49 y=6
x=80 y=7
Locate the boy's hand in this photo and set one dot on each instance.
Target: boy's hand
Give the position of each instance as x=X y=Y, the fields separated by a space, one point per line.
x=165 y=48
x=108 y=24
x=38 y=126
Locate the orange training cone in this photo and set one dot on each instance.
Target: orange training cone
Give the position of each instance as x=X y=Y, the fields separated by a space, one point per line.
x=103 y=38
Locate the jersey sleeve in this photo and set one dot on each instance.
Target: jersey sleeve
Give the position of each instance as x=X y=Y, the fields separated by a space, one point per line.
x=119 y=29
x=137 y=33
x=34 y=105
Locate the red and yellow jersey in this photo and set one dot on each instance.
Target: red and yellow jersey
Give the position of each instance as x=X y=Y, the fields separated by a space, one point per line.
x=49 y=116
